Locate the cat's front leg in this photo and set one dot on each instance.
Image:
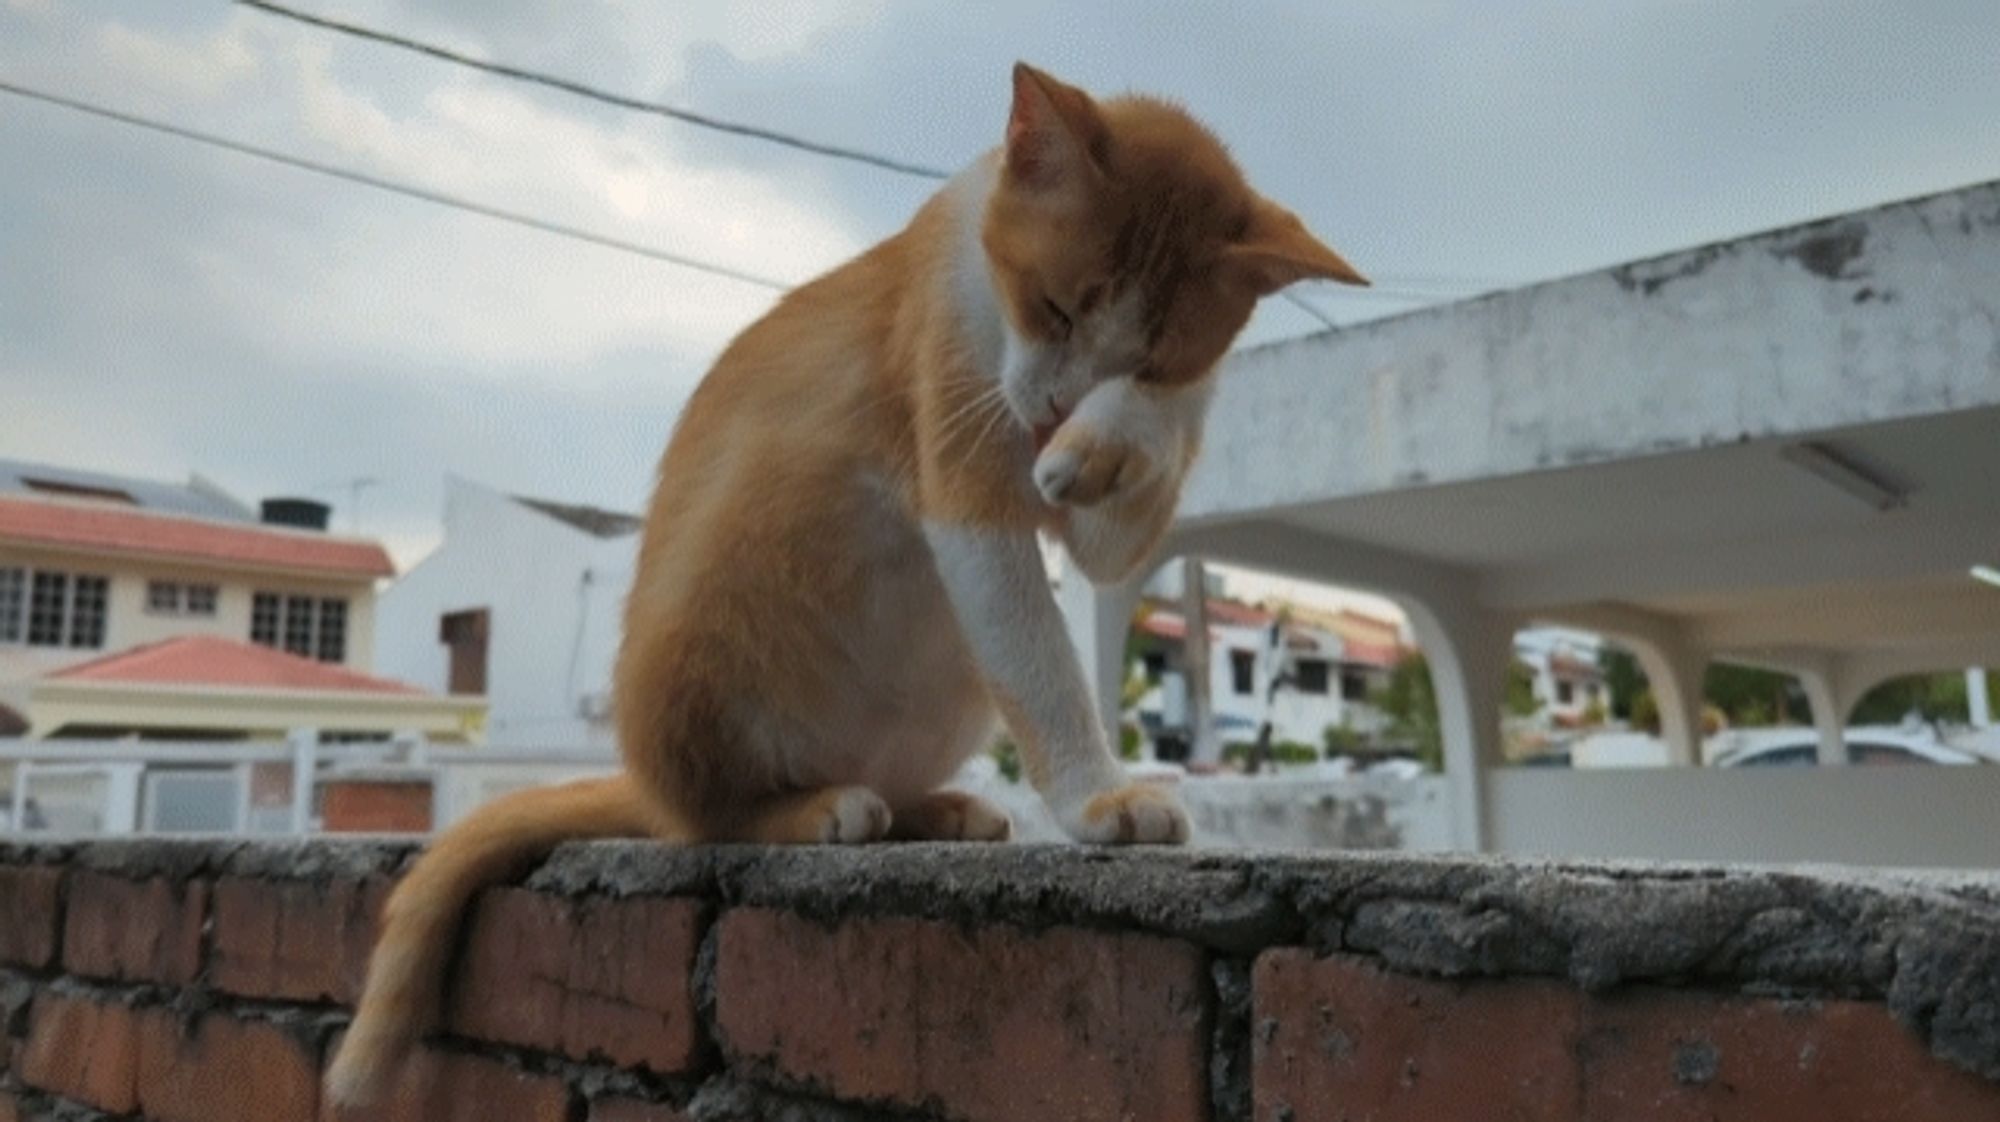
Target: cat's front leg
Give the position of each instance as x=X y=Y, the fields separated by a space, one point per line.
x=1116 y=466
x=999 y=591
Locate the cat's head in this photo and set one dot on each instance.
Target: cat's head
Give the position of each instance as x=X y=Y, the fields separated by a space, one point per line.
x=1125 y=242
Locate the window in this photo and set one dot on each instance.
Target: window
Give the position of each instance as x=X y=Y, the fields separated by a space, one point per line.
x=172 y=598
x=48 y=596
x=1155 y=663
x=1565 y=693
x=1243 y=671
x=163 y=597
x=46 y=609
x=307 y=626
x=13 y=606
x=1353 y=685
x=200 y=599
x=331 y=643
x=465 y=633
x=299 y=625
x=1309 y=675
x=264 y=619
x=86 y=612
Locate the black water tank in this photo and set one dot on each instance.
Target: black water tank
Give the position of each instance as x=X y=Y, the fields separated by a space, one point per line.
x=306 y=514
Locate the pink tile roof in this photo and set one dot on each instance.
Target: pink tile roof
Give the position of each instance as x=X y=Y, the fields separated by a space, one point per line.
x=207 y=660
x=115 y=530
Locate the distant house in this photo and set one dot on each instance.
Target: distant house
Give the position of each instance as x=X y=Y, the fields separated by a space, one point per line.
x=1332 y=663
x=133 y=608
x=521 y=604
x=1569 y=685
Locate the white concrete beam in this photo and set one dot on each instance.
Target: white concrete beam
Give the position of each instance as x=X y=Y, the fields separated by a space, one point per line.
x=1891 y=549
x=1882 y=314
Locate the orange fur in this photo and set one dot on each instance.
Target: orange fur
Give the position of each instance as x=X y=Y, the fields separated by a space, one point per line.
x=800 y=662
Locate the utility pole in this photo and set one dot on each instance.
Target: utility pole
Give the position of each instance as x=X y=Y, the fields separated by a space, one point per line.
x=1195 y=662
x=1275 y=679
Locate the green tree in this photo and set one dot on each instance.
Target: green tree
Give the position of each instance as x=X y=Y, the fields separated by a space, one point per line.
x=1749 y=696
x=1521 y=690
x=1410 y=701
x=1623 y=677
x=1937 y=697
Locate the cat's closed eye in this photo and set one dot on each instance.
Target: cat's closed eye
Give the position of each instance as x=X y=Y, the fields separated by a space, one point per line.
x=1064 y=325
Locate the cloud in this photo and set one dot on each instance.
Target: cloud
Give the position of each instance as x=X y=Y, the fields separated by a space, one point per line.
x=166 y=308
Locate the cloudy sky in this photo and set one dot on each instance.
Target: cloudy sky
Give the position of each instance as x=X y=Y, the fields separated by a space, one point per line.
x=166 y=308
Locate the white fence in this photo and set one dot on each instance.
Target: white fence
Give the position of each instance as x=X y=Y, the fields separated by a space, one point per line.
x=1874 y=816
x=124 y=787
x=82 y=787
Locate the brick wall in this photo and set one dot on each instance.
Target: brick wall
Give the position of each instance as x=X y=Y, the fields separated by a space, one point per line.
x=177 y=982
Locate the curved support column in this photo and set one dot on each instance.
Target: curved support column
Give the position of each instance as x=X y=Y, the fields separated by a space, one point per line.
x=1674 y=672
x=1468 y=649
x=1098 y=620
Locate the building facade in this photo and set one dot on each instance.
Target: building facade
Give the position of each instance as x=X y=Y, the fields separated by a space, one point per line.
x=136 y=608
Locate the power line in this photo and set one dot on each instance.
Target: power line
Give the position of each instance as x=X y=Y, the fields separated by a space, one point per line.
x=1303 y=305
x=1396 y=285
x=394 y=187
x=622 y=101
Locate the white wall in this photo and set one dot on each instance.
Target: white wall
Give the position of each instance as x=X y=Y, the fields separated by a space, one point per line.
x=555 y=595
x=1879 y=816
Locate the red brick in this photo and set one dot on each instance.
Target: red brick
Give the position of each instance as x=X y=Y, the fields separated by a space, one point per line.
x=992 y=1025
x=1658 y=1056
x=83 y=1050
x=221 y=1069
x=589 y=978
x=1337 y=1040
x=632 y=1110
x=134 y=930
x=453 y=1087
x=356 y=806
x=30 y=914
x=1340 y=1039
x=294 y=940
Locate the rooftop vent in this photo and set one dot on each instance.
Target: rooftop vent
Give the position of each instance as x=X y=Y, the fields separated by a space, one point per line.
x=304 y=514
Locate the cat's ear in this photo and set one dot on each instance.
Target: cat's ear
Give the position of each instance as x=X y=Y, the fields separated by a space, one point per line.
x=1053 y=132
x=1278 y=250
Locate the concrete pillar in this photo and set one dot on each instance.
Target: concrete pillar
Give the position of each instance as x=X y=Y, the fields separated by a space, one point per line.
x=1098 y=620
x=305 y=774
x=1674 y=672
x=1468 y=649
x=1830 y=705
x=1977 y=699
x=1202 y=743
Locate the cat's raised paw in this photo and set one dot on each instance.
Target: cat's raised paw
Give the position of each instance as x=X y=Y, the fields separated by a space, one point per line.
x=1135 y=814
x=1080 y=468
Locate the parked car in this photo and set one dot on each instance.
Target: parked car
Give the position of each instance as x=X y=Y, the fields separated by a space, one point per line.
x=1865 y=747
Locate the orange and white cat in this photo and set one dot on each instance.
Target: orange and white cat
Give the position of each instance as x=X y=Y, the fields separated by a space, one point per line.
x=839 y=583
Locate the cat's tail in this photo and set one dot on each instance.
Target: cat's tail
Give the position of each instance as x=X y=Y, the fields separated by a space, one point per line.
x=404 y=993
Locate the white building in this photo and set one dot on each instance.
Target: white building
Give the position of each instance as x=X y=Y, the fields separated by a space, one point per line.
x=521 y=603
x=1569 y=686
x=1333 y=662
